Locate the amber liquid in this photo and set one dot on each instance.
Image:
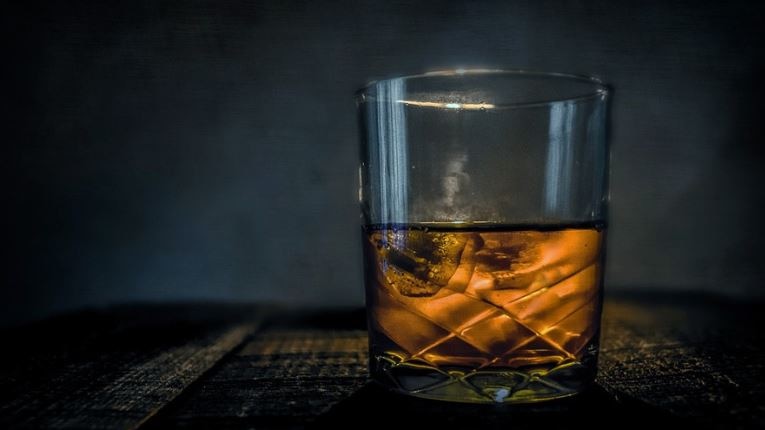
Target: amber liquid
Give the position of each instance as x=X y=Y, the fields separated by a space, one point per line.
x=481 y=313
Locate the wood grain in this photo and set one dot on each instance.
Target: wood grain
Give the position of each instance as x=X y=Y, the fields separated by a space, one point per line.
x=119 y=374
x=671 y=360
x=689 y=361
x=695 y=358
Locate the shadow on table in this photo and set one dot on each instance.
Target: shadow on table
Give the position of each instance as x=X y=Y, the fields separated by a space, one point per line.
x=594 y=407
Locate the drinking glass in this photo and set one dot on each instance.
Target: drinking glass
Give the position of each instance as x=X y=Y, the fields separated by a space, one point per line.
x=483 y=198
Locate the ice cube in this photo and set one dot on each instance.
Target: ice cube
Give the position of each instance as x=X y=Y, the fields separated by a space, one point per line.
x=408 y=330
x=484 y=327
x=575 y=330
x=419 y=263
x=497 y=333
x=510 y=266
x=545 y=307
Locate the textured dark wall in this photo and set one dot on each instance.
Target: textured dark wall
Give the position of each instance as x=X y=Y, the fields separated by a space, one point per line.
x=164 y=150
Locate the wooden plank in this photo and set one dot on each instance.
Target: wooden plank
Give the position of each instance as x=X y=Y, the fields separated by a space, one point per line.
x=119 y=374
x=200 y=367
x=661 y=362
x=283 y=377
x=695 y=358
x=291 y=378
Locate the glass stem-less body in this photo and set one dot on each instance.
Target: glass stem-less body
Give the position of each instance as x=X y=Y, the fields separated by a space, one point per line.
x=484 y=197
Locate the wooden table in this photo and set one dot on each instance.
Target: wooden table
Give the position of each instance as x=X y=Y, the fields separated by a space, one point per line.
x=679 y=360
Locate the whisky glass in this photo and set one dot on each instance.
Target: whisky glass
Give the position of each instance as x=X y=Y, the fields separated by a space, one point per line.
x=484 y=206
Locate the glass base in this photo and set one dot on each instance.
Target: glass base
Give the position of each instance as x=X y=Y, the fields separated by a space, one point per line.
x=495 y=385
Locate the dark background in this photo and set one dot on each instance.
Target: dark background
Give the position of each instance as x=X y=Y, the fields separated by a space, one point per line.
x=207 y=150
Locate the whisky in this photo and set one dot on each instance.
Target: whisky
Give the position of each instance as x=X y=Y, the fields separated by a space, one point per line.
x=484 y=313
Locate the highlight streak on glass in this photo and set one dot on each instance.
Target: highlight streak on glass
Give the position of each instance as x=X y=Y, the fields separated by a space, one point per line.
x=560 y=159
x=391 y=126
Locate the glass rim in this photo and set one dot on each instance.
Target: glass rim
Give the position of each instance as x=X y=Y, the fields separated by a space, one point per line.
x=599 y=88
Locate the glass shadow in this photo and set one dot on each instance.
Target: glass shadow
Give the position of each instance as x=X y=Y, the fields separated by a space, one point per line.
x=377 y=406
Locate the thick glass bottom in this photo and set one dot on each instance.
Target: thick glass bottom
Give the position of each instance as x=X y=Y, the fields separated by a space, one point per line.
x=490 y=385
